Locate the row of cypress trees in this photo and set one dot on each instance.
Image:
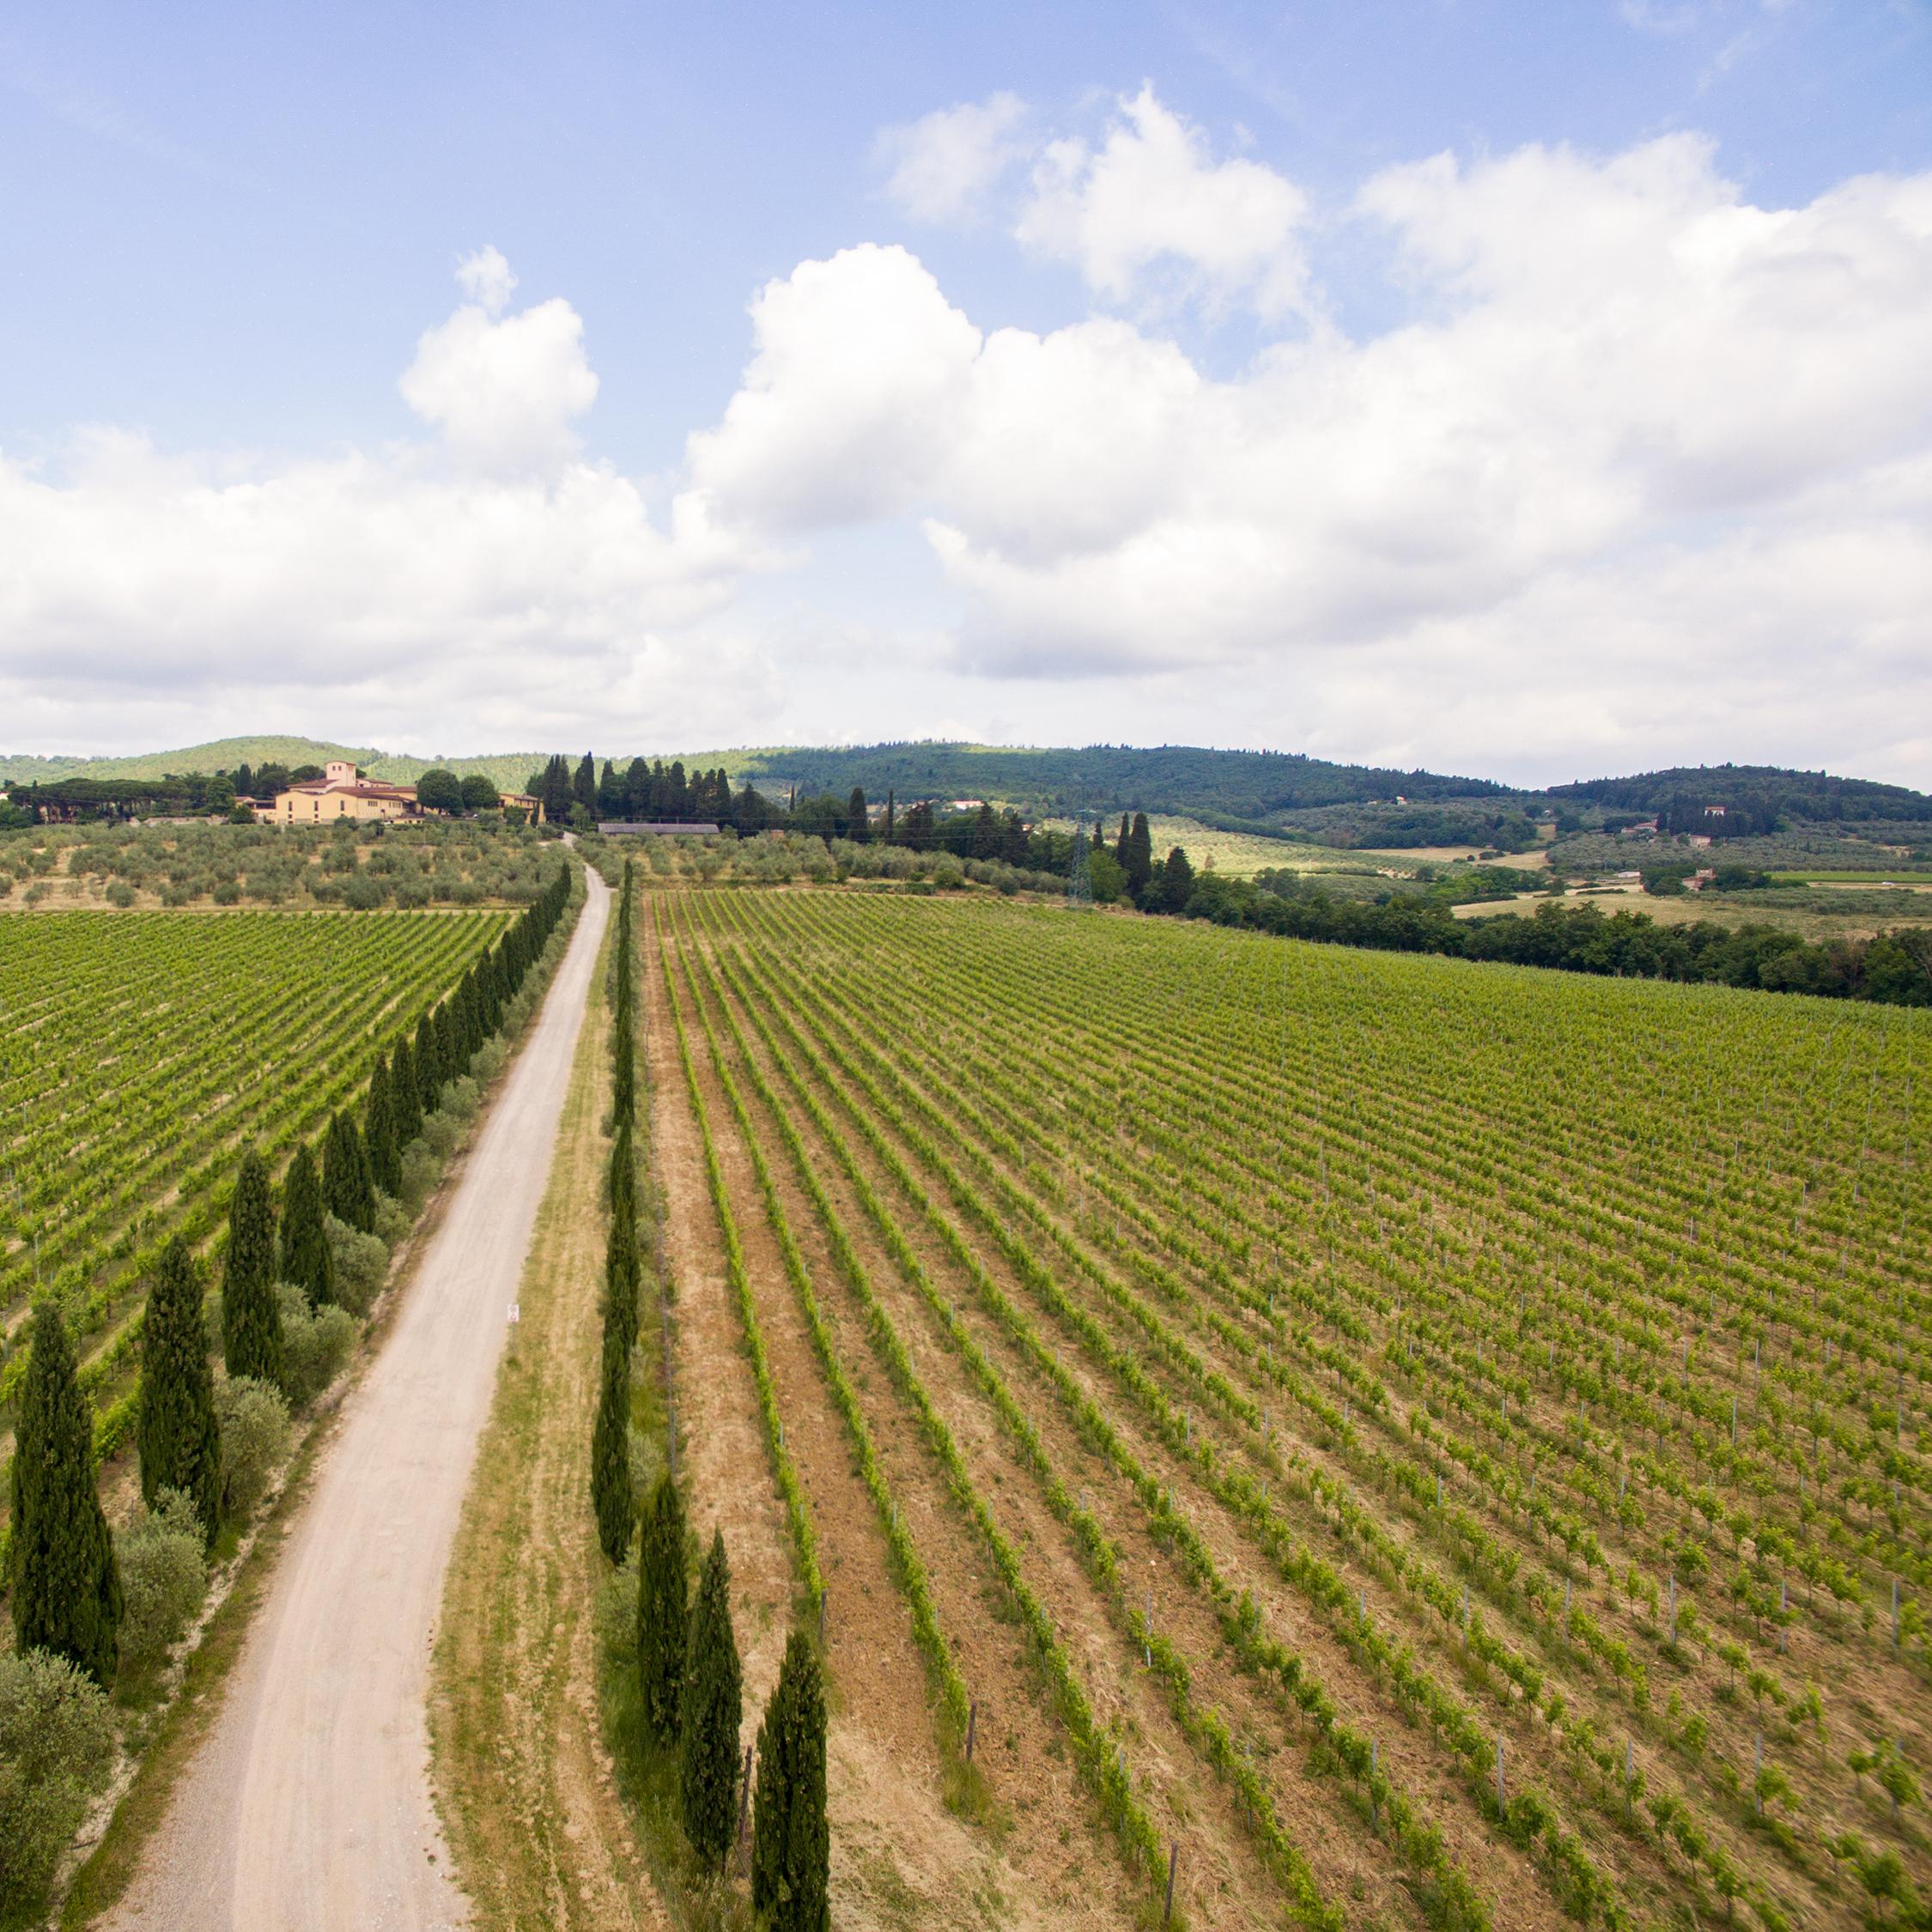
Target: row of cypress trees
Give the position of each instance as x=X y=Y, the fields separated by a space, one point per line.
x=65 y=1586
x=690 y=1677
x=612 y=1497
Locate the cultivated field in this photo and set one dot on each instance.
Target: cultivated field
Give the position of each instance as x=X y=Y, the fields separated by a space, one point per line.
x=142 y=1053
x=1417 y=1443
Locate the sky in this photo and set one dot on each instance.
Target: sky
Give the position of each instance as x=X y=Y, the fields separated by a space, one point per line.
x=1537 y=390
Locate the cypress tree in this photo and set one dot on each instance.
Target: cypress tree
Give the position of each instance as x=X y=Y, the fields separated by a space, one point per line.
x=1139 y=855
x=1121 y=843
x=60 y=1558
x=708 y=1716
x=348 y=1191
x=663 y=1591
x=379 y=1133
x=1177 y=882
x=306 y=1259
x=405 y=1097
x=449 y=1053
x=610 y=1493
x=429 y=1075
x=175 y=1431
x=858 y=822
x=251 y=1315
x=791 y=1840
x=621 y=1276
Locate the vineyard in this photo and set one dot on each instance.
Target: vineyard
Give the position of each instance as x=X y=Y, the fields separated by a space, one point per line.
x=141 y=1054
x=1379 y=1440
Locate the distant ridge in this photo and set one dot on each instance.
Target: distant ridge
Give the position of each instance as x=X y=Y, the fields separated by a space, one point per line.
x=1230 y=790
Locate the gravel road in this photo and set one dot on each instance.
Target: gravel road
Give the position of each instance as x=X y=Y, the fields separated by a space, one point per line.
x=309 y=1806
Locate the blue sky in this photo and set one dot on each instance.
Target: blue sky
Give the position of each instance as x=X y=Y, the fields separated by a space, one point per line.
x=230 y=230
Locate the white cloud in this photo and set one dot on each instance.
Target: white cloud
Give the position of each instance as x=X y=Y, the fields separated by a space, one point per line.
x=1151 y=196
x=486 y=278
x=490 y=582
x=1645 y=447
x=1644 y=476
x=503 y=389
x=944 y=165
x=858 y=374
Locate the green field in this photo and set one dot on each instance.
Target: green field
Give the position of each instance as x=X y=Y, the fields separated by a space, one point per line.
x=1367 y=1386
x=142 y=1053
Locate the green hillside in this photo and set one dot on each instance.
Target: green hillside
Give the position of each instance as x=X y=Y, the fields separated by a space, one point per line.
x=220 y=754
x=1271 y=794
x=1234 y=790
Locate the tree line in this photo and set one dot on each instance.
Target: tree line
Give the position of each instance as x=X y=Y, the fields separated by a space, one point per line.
x=691 y=1680
x=1893 y=967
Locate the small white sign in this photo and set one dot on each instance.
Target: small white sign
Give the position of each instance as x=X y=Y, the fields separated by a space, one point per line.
x=516 y=1311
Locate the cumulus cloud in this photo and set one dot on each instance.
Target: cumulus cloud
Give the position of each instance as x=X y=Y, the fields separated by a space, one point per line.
x=858 y=373
x=504 y=390
x=1637 y=419
x=488 y=574
x=943 y=164
x=1643 y=475
x=486 y=278
x=1152 y=196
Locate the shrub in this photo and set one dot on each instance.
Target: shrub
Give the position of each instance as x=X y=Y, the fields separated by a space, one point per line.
x=164 y=1576
x=254 y=1417
x=420 y=1169
x=118 y=894
x=361 y=1265
x=57 y=1747
x=315 y=1344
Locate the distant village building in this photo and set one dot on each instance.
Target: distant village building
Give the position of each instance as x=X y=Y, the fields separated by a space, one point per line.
x=340 y=794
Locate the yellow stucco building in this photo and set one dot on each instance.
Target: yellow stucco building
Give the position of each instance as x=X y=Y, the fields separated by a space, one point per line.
x=339 y=793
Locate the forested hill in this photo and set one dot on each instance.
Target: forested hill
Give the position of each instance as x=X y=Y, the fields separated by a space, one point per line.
x=1229 y=787
x=1186 y=779
x=1766 y=795
x=1264 y=791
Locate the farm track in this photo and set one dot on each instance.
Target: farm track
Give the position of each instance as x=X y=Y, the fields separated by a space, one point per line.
x=1306 y=1261
x=522 y=1778
x=308 y=1804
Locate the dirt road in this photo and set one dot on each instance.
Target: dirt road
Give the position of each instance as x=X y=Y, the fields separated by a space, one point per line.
x=309 y=1805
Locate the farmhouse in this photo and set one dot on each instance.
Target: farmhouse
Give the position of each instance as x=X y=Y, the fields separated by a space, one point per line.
x=340 y=794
